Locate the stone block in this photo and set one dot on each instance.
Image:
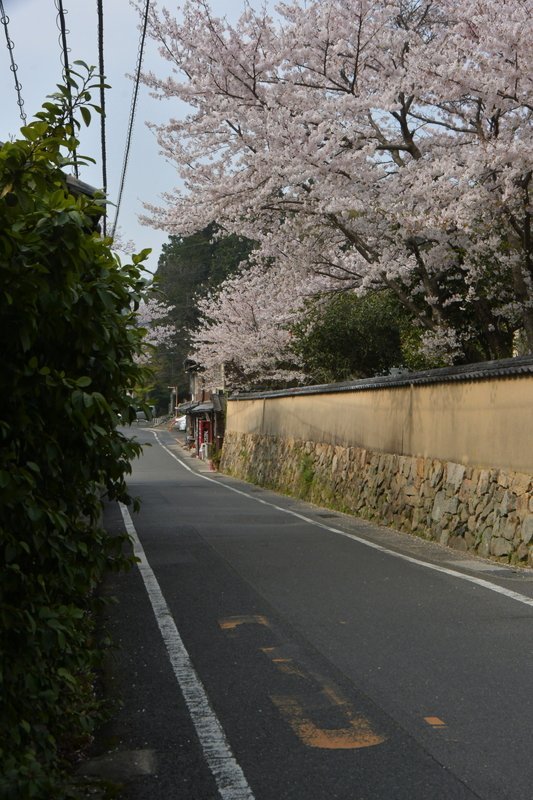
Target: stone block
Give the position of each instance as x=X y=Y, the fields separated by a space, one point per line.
x=426 y=490
x=490 y=519
x=453 y=524
x=444 y=505
x=522 y=504
x=498 y=494
x=520 y=482
x=527 y=529
x=472 y=506
x=416 y=519
x=451 y=506
x=503 y=479
x=470 y=541
x=484 y=508
x=455 y=474
x=508 y=503
x=438 y=506
x=508 y=529
x=457 y=543
x=522 y=551
x=466 y=490
x=483 y=483
x=500 y=547
x=437 y=473
x=403 y=466
x=484 y=544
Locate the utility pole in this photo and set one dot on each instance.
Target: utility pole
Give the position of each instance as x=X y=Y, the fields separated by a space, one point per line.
x=173 y=402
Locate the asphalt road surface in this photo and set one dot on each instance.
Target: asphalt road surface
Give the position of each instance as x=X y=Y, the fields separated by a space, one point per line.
x=271 y=649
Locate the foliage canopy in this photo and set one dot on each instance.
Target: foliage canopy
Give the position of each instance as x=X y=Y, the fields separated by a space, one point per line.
x=346 y=337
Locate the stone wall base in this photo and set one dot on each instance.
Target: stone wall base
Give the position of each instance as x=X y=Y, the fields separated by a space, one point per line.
x=484 y=511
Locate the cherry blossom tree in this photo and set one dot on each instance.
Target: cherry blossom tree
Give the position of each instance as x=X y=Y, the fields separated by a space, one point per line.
x=376 y=143
x=152 y=315
x=244 y=331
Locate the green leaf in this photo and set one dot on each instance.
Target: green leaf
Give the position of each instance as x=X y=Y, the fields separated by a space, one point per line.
x=34 y=513
x=138 y=257
x=5 y=479
x=86 y=115
x=34 y=131
x=67 y=676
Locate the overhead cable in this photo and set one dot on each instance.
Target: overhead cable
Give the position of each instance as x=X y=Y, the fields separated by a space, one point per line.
x=102 y=105
x=66 y=69
x=10 y=46
x=132 y=113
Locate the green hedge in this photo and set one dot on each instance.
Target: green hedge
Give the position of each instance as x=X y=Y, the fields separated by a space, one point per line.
x=68 y=369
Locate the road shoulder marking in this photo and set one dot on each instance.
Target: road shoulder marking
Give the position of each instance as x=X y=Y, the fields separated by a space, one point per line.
x=229 y=777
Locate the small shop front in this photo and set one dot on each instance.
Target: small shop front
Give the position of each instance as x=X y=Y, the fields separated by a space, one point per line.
x=207 y=427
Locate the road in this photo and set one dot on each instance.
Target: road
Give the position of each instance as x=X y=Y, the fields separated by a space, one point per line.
x=274 y=650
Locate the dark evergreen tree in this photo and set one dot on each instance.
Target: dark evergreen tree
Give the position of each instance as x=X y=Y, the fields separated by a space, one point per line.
x=345 y=336
x=189 y=268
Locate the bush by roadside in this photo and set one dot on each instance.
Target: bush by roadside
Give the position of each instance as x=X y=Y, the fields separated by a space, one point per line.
x=69 y=369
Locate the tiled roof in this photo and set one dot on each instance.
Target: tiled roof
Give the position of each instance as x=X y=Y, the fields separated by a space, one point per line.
x=503 y=368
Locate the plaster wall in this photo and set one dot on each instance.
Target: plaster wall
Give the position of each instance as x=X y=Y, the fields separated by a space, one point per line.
x=487 y=423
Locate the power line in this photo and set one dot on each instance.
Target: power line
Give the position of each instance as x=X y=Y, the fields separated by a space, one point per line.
x=132 y=114
x=66 y=69
x=10 y=46
x=102 y=105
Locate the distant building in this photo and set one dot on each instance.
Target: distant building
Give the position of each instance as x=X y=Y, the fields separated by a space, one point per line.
x=206 y=413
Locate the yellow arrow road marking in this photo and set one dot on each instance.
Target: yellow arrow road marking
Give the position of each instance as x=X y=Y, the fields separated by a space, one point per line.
x=316 y=697
x=356 y=734
x=231 y=623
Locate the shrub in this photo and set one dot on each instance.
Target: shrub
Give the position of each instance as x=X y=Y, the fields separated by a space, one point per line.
x=69 y=348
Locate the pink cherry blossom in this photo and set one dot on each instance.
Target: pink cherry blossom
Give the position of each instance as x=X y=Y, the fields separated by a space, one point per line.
x=151 y=315
x=372 y=144
x=244 y=327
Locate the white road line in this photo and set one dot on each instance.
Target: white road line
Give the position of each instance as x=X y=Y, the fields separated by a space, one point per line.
x=493 y=587
x=229 y=777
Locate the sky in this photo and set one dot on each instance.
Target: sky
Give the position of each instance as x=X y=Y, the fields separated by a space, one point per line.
x=33 y=30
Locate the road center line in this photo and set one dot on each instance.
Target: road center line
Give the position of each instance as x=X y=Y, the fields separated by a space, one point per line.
x=229 y=777
x=493 y=587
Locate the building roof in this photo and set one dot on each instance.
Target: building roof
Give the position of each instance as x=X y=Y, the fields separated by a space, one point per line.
x=503 y=368
x=202 y=408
